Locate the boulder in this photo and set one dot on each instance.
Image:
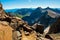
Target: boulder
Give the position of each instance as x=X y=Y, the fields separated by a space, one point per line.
x=16 y=35
x=38 y=28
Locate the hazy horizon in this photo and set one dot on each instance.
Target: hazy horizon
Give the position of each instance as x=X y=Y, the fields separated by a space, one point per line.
x=13 y=4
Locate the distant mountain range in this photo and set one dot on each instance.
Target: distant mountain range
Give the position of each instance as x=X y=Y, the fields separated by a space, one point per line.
x=22 y=11
x=44 y=16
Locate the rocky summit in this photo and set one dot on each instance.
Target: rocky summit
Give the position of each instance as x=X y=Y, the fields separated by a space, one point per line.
x=17 y=29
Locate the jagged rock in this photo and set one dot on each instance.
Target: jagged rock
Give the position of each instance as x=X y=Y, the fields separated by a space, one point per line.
x=27 y=28
x=53 y=36
x=18 y=23
x=16 y=35
x=38 y=27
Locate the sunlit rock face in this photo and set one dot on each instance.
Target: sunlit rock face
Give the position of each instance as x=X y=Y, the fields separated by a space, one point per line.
x=53 y=14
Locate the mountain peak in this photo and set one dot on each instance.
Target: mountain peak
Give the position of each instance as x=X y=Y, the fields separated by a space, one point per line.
x=48 y=8
x=39 y=8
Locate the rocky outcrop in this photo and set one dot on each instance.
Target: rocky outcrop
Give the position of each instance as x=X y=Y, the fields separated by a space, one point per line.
x=2 y=13
x=38 y=28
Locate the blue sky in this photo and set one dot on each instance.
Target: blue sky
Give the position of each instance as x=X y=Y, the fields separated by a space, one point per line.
x=11 y=4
